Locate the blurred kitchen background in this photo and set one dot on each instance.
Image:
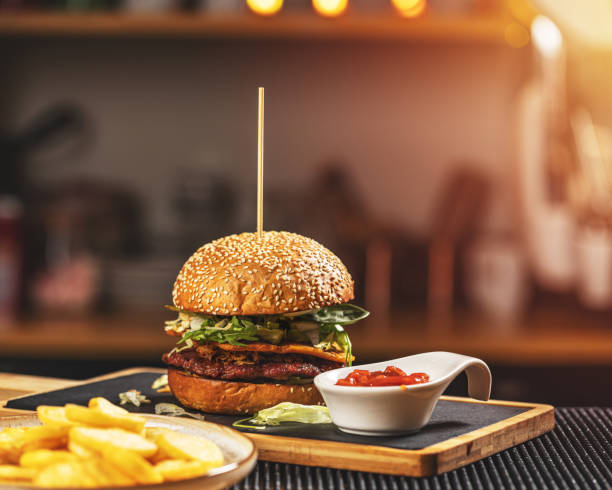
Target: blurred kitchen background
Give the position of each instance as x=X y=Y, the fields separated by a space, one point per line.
x=456 y=154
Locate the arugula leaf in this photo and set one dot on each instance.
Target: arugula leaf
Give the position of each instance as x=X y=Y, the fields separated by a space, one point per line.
x=336 y=338
x=322 y=328
x=345 y=314
x=233 y=332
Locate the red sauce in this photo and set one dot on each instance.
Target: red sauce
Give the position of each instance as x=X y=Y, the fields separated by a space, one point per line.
x=391 y=376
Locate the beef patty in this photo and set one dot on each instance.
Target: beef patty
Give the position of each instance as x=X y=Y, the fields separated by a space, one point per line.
x=278 y=367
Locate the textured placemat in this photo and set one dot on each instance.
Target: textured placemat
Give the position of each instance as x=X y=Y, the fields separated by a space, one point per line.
x=575 y=455
x=449 y=419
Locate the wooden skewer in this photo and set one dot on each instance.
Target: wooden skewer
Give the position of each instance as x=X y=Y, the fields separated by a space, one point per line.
x=260 y=162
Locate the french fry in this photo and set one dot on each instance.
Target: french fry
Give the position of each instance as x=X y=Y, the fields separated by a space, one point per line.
x=100 y=439
x=104 y=405
x=64 y=475
x=133 y=464
x=40 y=458
x=185 y=446
x=152 y=433
x=80 y=451
x=101 y=445
x=10 y=472
x=158 y=457
x=54 y=416
x=118 y=416
x=179 y=469
x=118 y=476
x=10 y=433
x=44 y=437
x=9 y=454
x=105 y=474
x=11 y=444
x=82 y=415
x=105 y=415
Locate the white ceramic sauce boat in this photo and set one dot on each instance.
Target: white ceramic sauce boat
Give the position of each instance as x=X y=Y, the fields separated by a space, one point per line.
x=391 y=410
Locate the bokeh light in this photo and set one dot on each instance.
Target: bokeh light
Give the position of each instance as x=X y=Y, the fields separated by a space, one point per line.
x=330 y=8
x=516 y=35
x=265 y=7
x=409 y=8
x=546 y=36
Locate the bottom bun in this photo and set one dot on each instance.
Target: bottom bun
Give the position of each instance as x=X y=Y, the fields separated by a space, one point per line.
x=234 y=397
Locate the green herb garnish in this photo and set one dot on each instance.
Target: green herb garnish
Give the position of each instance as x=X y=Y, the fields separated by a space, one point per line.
x=322 y=328
x=233 y=332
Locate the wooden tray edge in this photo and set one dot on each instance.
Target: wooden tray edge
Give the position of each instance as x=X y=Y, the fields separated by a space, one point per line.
x=473 y=446
x=429 y=461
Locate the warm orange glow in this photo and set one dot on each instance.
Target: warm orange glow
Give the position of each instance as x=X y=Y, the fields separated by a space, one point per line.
x=516 y=35
x=409 y=8
x=330 y=8
x=265 y=7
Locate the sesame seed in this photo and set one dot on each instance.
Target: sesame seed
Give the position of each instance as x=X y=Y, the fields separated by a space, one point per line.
x=293 y=268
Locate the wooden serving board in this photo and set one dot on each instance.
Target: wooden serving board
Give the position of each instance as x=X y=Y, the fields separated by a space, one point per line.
x=460 y=432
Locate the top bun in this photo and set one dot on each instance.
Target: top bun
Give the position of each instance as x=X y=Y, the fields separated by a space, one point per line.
x=243 y=275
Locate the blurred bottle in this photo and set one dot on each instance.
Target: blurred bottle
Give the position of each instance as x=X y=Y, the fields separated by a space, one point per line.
x=11 y=214
x=84 y=5
x=205 y=206
x=337 y=217
x=222 y=6
x=497 y=281
x=70 y=281
x=594 y=265
x=545 y=162
x=151 y=6
x=378 y=272
x=21 y=4
x=454 y=6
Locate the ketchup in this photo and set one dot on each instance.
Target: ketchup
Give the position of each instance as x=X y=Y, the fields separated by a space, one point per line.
x=391 y=376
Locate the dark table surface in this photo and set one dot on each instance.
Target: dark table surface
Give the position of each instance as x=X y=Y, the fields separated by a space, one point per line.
x=575 y=455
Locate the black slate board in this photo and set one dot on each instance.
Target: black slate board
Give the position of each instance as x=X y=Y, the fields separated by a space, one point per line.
x=450 y=418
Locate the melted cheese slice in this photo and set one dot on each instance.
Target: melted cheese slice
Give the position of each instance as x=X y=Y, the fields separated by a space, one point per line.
x=307 y=350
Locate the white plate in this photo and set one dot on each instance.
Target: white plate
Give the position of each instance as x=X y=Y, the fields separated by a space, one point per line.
x=239 y=452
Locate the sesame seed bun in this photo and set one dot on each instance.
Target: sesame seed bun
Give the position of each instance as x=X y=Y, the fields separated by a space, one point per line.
x=232 y=397
x=244 y=275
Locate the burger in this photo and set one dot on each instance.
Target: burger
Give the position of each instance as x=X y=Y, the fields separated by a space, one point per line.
x=258 y=319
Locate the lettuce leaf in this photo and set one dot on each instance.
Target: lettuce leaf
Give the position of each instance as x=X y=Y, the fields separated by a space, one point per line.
x=287 y=412
x=234 y=332
x=322 y=328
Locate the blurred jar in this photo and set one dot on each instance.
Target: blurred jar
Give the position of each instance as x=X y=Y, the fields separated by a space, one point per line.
x=222 y=6
x=151 y=6
x=69 y=282
x=497 y=279
x=453 y=6
x=594 y=266
x=205 y=206
x=11 y=216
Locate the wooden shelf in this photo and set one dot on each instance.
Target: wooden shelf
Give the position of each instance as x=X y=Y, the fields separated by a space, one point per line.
x=109 y=338
x=477 y=28
x=545 y=338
